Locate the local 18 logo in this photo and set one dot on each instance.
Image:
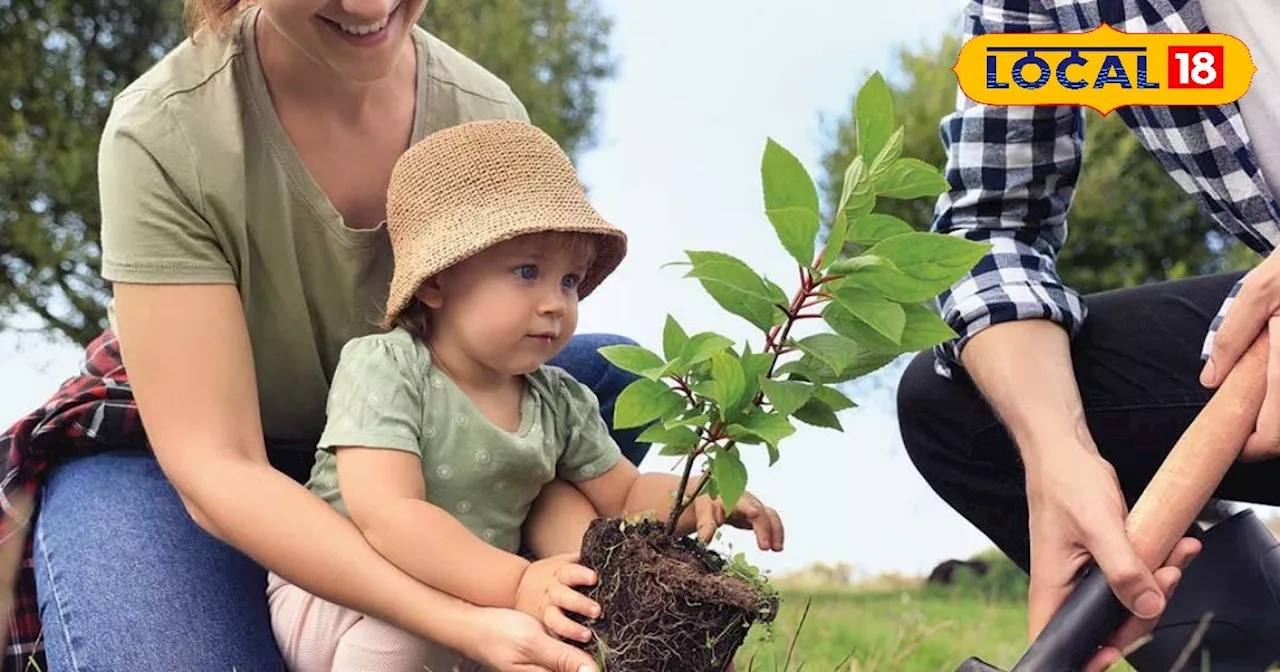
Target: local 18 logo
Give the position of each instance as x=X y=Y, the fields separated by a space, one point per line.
x=1104 y=69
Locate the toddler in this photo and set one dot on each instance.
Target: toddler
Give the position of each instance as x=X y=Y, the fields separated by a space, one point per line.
x=444 y=427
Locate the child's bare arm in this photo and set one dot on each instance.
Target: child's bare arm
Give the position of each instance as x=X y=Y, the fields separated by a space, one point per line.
x=384 y=492
x=558 y=519
x=624 y=491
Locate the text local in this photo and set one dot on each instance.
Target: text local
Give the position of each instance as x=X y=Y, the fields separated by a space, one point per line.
x=1111 y=72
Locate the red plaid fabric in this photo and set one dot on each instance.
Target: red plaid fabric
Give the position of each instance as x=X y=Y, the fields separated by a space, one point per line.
x=90 y=412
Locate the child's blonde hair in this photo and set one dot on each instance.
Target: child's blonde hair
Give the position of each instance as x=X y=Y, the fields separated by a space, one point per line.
x=416 y=316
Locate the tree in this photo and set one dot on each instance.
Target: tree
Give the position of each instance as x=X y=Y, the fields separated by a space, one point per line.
x=62 y=62
x=553 y=53
x=1153 y=232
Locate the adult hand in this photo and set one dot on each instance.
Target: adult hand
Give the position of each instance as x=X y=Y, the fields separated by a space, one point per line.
x=505 y=640
x=1077 y=512
x=547 y=590
x=1255 y=307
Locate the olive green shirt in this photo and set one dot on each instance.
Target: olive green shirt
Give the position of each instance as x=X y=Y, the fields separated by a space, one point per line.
x=386 y=394
x=201 y=184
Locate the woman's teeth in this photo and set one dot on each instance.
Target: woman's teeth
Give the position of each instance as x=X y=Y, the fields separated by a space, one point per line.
x=366 y=29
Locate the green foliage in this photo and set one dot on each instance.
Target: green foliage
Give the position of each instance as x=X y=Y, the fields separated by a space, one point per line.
x=553 y=53
x=705 y=399
x=63 y=61
x=1154 y=232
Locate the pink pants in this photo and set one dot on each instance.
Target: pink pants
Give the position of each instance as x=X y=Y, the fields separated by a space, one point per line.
x=319 y=636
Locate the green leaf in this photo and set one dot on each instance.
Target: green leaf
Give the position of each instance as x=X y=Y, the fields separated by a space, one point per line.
x=790 y=201
x=818 y=414
x=728 y=381
x=773 y=453
x=737 y=288
x=859 y=263
x=712 y=490
x=923 y=329
x=861 y=202
x=874 y=116
x=833 y=358
x=675 y=450
x=632 y=358
x=700 y=347
x=834 y=350
x=730 y=475
x=846 y=324
x=833 y=398
x=778 y=296
x=912 y=267
x=671 y=367
x=930 y=257
x=686 y=420
x=772 y=428
x=880 y=276
x=754 y=367
x=836 y=238
x=868 y=230
x=855 y=186
x=884 y=316
x=814 y=370
x=675 y=436
x=673 y=339
x=888 y=154
x=704 y=388
x=908 y=178
x=786 y=396
x=644 y=401
x=803 y=369
x=857 y=192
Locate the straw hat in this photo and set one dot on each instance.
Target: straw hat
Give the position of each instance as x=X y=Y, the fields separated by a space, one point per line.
x=473 y=185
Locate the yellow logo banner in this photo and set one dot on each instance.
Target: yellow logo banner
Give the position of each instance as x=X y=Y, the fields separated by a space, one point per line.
x=1104 y=69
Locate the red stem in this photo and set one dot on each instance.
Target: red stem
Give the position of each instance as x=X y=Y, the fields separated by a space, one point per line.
x=776 y=343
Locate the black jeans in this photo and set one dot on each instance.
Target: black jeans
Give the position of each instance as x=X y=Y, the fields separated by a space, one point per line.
x=1137 y=362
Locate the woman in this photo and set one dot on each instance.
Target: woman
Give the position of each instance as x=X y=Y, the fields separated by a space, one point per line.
x=242 y=189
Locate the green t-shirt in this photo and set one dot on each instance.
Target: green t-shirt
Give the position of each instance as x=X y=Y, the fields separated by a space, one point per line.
x=201 y=184
x=386 y=394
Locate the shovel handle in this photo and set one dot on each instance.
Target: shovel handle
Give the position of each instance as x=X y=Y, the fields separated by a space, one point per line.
x=1163 y=514
x=1200 y=459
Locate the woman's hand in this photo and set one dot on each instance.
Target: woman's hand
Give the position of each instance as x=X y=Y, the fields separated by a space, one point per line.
x=1255 y=307
x=748 y=514
x=506 y=640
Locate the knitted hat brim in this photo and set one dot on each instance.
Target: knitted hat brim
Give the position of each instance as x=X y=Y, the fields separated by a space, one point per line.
x=466 y=188
x=610 y=250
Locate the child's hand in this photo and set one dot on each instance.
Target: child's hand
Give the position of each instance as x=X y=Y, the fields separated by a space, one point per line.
x=750 y=513
x=547 y=589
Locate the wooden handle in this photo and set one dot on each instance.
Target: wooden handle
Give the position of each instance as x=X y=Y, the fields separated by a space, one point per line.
x=1200 y=459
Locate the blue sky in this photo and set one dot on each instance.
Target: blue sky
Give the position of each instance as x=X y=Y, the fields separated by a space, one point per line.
x=700 y=87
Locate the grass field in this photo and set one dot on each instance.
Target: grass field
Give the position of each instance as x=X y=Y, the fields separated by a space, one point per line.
x=906 y=630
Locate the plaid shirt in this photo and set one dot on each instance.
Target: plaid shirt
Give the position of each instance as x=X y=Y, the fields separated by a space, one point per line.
x=1020 y=211
x=90 y=412
x=1012 y=172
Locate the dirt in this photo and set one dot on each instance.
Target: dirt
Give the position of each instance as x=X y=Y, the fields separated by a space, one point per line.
x=667 y=604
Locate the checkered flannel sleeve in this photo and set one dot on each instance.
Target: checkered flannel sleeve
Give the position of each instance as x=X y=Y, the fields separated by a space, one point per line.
x=1011 y=173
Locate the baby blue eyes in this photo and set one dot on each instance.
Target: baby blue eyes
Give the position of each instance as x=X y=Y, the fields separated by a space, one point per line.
x=530 y=272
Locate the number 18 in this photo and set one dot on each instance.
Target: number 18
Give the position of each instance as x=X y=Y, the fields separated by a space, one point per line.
x=1195 y=67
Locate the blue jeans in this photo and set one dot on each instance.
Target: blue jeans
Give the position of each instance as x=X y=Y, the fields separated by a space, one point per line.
x=127 y=581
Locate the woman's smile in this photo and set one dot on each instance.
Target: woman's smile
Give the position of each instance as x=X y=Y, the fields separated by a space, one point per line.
x=364 y=35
